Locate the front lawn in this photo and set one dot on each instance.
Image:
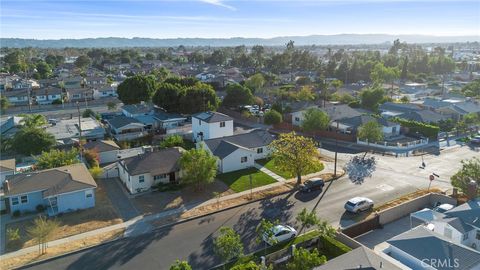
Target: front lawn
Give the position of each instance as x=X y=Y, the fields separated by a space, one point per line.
x=269 y=164
x=239 y=181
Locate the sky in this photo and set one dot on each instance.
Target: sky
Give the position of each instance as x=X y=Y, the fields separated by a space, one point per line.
x=56 y=19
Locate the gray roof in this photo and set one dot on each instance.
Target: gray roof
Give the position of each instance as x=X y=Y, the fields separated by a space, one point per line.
x=121 y=121
x=357 y=121
x=468 y=212
x=52 y=181
x=137 y=108
x=102 y=145
x=159 y=162
x=422 y=243
x=426 y=116
x=435 y=103
x=337 y=112
x=399 y=107
x=467 y=107
x=359 y=258
x=212 y=117
x=222 y=147
x=47 y=91
x=164 y=116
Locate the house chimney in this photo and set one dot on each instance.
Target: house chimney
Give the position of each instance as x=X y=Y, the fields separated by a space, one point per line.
x=6 y=186
x=472 y=190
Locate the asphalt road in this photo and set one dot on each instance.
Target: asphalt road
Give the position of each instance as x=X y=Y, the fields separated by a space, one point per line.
x=193 y=240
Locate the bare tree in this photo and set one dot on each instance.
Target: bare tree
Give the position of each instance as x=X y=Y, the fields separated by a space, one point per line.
x=42 y=231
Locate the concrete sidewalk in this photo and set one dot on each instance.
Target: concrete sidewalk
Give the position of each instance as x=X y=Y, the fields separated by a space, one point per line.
x=141 y=224
x=269 y=173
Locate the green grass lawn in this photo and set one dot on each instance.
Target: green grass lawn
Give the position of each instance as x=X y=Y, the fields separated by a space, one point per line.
x=239 y=181
x=268 y=163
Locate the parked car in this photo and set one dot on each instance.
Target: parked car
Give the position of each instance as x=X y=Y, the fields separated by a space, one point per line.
x=280 y=233
x=312 y=184
x=442 y=208
x=358 y=204
x=475 y=140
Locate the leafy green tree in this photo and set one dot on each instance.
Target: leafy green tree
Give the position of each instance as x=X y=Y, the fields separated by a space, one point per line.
x=315 y=120
x=370 y=98
x=471 y=119
x=56 y=158
x=237 y=95
x=295 y=154
x=272 y=117
x=325 y=229
x=83 y=62
x=199 y=167
x=265 y=230
x=255 y=82
x=305 y=260
x=32 y=141
x=33 y=120
x=180 y=265
x=470 y=171
x=91 y=157
x=88 y=113
x=472 y=89
x=4 y=104
x=371 y=131
x=405 y=99
x=172 y=141
x=42 y=231
x=228 y=244
x=136 y=89
x=251 y=265
x=198 y=98
x=305 y=94
x=168 y=96
x=307 y=219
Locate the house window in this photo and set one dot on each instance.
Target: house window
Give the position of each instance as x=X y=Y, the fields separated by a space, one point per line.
x=260 y=150
x=24 y=199
x=448 y=233
x=76 y=96
x=88 y=194
x=243 y=159
x=297 y=119
x=15 y=201
x=222 y=124
x=141 y=179
x=160 y=176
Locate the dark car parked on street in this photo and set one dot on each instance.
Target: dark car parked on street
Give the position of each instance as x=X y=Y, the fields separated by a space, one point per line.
x=312 y=184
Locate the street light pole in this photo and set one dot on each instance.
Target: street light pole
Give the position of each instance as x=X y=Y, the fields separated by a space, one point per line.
x=336 y=151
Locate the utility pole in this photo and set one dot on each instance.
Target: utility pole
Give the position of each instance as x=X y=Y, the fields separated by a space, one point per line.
x=336 y=151
x=80 y=130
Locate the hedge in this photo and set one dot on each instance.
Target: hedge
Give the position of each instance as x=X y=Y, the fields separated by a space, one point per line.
x=333 y=248
x=426 y=130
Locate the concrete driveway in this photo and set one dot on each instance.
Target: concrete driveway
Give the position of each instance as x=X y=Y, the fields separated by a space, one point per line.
x=119 y=198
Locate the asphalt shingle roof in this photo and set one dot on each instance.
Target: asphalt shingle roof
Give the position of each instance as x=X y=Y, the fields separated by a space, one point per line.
x=121 y=121
x=426 y=116
x=357 y=121
x=422 y=243
x=52 y=181
x=212 y=117
x=137 y=108
x=102 y=145
x=159 y=162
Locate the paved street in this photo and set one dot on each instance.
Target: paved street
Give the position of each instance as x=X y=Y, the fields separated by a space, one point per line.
x=192 y=240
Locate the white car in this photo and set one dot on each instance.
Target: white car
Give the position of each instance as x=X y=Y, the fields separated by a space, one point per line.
x=442 y=208
x=280 y=233
x=358 y=204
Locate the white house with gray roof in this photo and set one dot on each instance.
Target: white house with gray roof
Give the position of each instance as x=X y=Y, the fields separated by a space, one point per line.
x=211 y=125
x=239 y=151
x=124 y=128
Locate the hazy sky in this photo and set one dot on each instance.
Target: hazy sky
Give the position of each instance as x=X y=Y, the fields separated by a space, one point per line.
x=53 y=19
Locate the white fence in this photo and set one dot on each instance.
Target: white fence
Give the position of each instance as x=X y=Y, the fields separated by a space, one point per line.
x=406 y=146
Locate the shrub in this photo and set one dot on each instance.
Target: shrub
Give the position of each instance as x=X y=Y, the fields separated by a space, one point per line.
x=426 y=130
x=57 y=102
x=172 y=141
x=91 y=157
x=96 y=172
x=272 y=117
x=16 y=213
x=40 y=208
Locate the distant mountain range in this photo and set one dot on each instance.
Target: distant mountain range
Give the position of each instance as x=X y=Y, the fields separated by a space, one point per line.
x=341 y=39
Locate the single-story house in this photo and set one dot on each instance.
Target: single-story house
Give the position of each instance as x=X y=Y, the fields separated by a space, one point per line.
x=7 y=167
x=105 y=91
x=391 y=109
x=351 y=125
x=168 y=121
x=211 y=125
x=17 y=97
x=79 y=94
x=67 y=129
x=335 y=112
x=424 y=116
x=47 y=95
x=108 y=150
x=59 y=190
x=95 y=81
x=239 y=151
x=140 y=173
x=125 y=128
x=73 y=82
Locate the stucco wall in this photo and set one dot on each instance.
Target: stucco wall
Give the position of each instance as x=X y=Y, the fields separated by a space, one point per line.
x=34 y=199
x=232 y=162
x=76 y=200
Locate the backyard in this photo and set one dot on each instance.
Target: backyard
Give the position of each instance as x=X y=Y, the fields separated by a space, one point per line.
x=239 y=181
x=269 y=164
x=102 y=215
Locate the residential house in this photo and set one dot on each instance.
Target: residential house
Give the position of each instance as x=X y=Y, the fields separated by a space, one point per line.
x=391 y=109
x=335 y=112
x=125 y=128
x=17 y=97
x=239 y=151
x=10 y=126
x=351 y=125
x=59 y=190
x=421 y=248
x=18 y=84
x=43 y=83
x=79 y=94
x=7 y=167
x=105 y=91
x=95 y=81
x=454 y=108
x=211 y=125
x=73 y=82
x=108 y=150
x=140 y=173
x=171 y=123
x=424 y=116
x=68 y=131
x=47 y=95
x=361 y=258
